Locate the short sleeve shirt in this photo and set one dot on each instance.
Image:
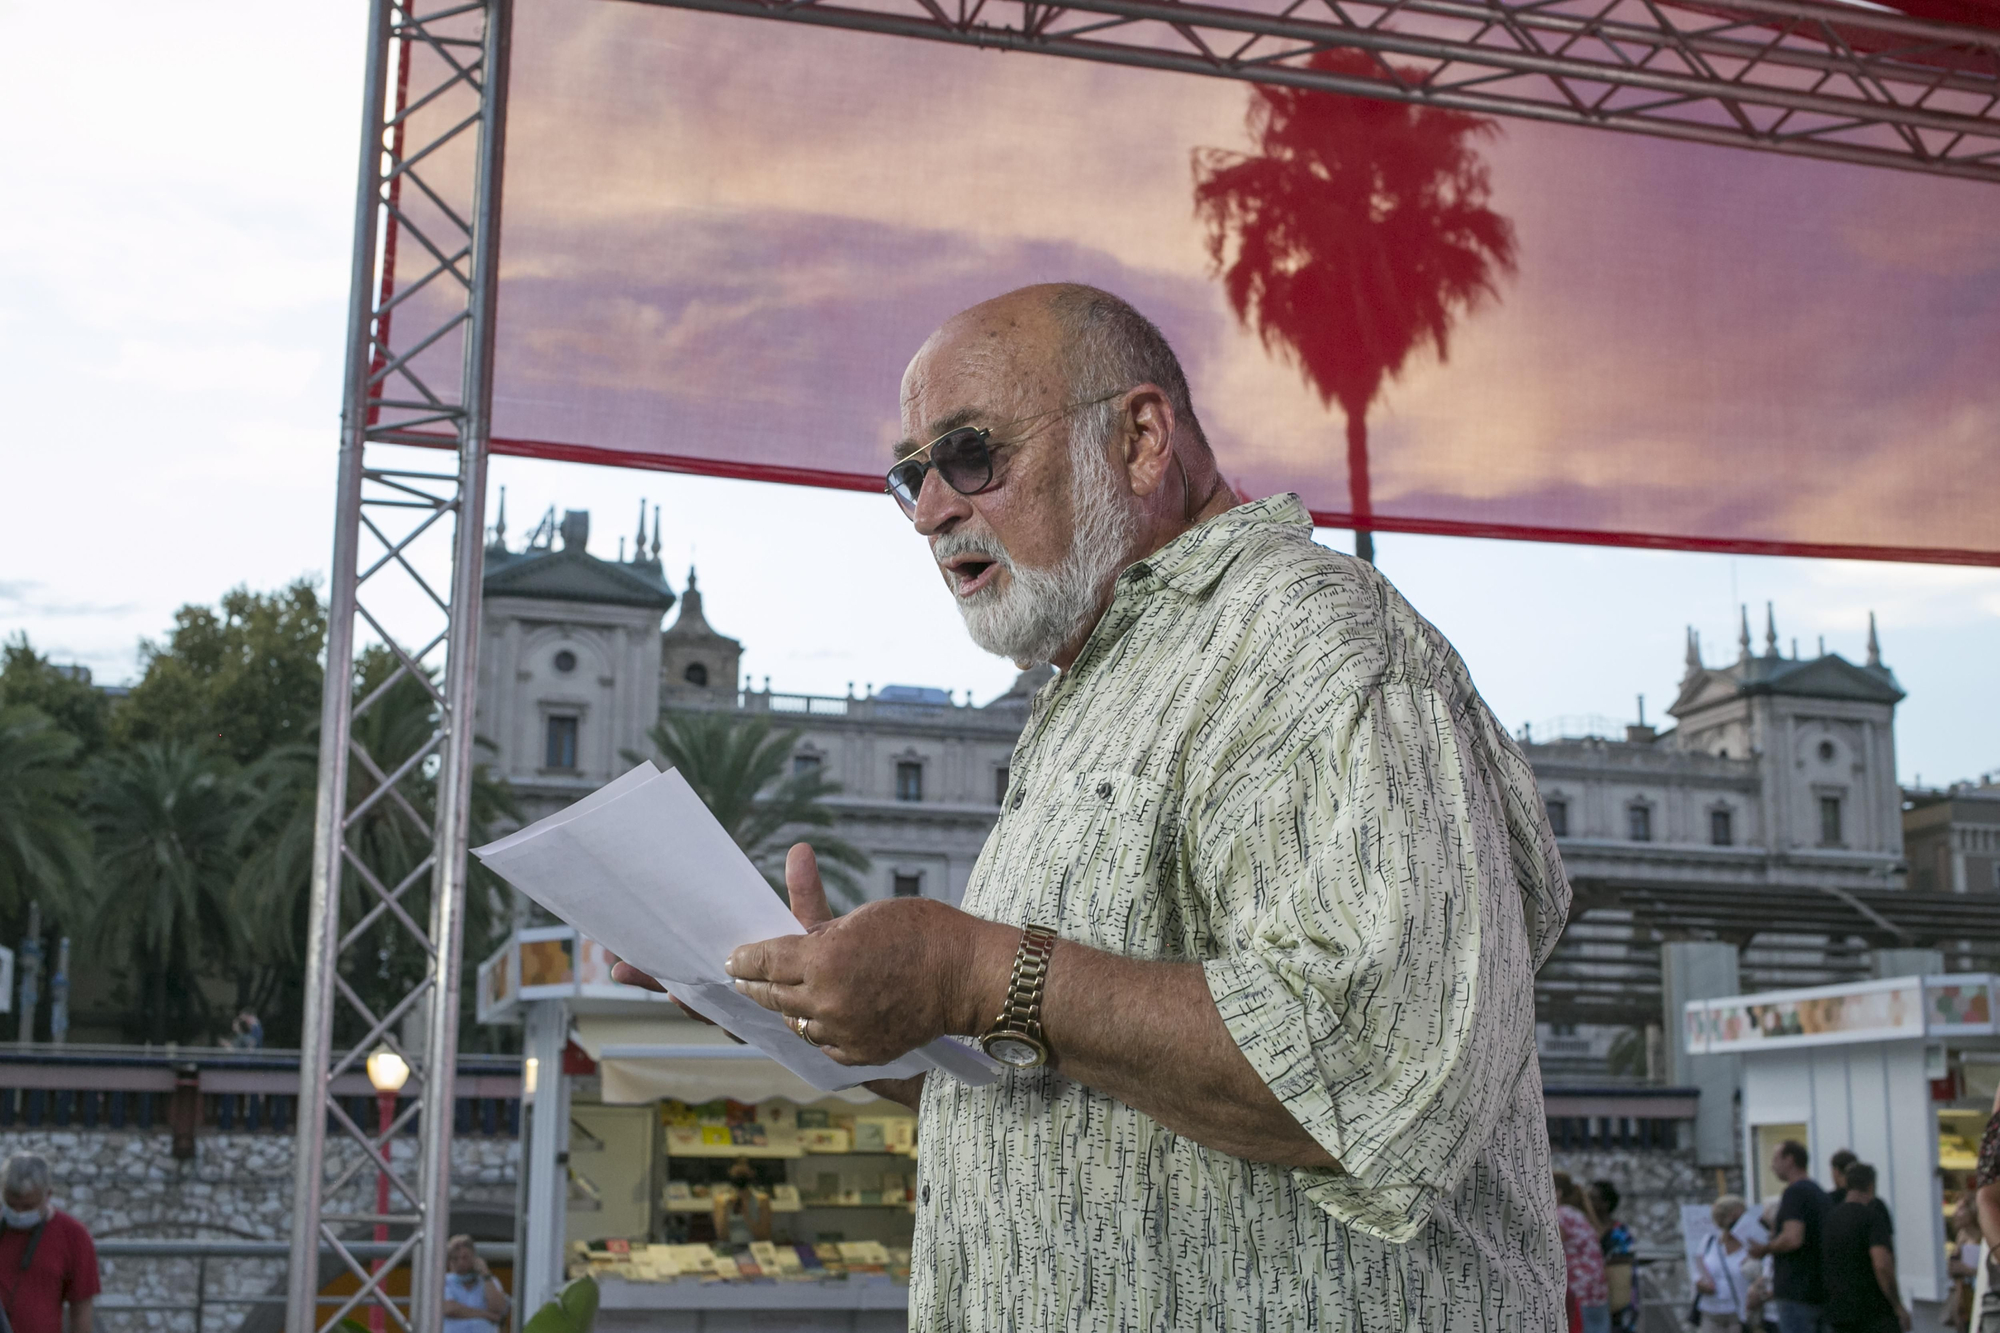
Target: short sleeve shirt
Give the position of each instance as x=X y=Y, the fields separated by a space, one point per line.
x=1266 y=763
x=1583 y=1257
x=1795 y=1274
x=1853 y=1296
x=63 y=1269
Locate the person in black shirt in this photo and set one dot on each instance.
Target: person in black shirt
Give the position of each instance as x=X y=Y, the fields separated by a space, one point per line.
x=1797 y=1288
x=1837 y=1165
x=1858 y=1256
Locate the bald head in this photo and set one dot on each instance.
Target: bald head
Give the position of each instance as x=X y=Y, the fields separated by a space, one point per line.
x=1058 y=342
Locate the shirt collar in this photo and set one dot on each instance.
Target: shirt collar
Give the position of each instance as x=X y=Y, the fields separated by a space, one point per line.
x=1192 y=562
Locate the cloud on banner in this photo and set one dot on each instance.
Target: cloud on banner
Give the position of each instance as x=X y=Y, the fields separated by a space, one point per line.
x=725 y=237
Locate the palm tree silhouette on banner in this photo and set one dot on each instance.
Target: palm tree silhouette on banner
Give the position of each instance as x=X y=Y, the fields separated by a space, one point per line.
x=1355 y=234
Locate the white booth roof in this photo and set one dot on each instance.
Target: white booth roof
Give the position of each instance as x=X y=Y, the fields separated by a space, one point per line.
x=1955 y=1006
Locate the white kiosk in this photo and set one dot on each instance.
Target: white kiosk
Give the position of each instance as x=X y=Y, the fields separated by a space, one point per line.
x=623 y=1181
x=1900 y=1071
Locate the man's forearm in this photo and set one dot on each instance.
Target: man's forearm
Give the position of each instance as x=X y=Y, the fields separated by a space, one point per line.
x=1148 y=1034
x=1885 y=1274
x=81 y=1315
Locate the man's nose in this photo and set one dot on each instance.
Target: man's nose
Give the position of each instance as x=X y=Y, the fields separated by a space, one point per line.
x=938 y=506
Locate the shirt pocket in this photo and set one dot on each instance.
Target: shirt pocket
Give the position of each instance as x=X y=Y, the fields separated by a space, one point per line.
x=1112 y=879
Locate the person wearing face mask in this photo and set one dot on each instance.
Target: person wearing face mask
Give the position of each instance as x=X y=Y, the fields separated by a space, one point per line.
x=47 y=1260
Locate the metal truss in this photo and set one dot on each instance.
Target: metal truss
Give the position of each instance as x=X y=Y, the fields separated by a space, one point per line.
x=419 y=366
x=1825 y=80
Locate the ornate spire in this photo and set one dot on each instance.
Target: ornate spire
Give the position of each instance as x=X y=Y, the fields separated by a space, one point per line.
x=656 y=534
x=1693 y=651
x=639 y=542
x=1874 y=644
x=1743 y=639
x=1770 y=630
x=500 y=522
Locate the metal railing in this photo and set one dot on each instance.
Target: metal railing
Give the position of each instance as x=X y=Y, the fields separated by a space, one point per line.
x=199 y=1302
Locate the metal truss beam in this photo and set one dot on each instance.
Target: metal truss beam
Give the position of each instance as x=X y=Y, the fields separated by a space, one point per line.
x=1801 y=77
x=405 y=578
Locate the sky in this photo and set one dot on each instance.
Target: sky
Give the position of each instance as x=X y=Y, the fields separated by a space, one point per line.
x=172 y=318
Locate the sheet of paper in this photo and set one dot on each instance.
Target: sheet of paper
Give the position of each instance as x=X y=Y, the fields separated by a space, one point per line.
x=642 y=867
x=1749 y=1228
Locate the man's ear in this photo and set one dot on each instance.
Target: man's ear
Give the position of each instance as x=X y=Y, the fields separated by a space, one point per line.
x=1149 y=439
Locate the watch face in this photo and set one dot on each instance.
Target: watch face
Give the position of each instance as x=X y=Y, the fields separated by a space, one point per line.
x=1019 y=1052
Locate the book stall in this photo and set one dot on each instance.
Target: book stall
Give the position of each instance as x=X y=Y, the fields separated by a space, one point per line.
x=1900 y=1071
x=702 y=1184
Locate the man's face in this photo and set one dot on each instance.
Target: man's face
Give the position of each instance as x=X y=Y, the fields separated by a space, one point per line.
x=462 y=1260
x=1026 y=559
x=25 y=1201
x=1781 y=1166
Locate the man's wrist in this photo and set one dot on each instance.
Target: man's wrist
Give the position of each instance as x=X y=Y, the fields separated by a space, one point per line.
x=986 y=964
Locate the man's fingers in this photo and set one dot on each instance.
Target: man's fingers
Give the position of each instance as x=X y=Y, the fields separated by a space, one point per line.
x=627 y=975
x=781 y=960
x=802 y=883
x=778 y=998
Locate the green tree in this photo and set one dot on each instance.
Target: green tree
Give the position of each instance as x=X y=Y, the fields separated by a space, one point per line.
x=44 y=844
x=392 y=842
x=165 y=813
x=66 y=697
x=242 y=678
x=1353 y=236
x=742 y=770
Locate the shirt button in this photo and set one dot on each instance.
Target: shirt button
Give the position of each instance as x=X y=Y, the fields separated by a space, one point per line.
x=1015 y=804
x=1104 y=791
x=925 y=1194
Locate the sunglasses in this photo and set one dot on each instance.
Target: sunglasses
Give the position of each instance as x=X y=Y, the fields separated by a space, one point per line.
x=963 y=457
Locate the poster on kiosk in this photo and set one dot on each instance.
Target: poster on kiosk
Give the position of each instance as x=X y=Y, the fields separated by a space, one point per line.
x=1900 y=1071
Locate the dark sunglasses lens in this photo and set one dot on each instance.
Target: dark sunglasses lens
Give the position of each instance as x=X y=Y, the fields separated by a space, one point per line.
x=963 y=460
x=906 y=480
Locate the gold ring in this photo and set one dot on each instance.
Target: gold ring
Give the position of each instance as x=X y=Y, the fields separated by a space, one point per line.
x=799 y=1024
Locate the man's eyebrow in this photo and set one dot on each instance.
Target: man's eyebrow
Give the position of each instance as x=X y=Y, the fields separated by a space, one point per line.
x=964 y=416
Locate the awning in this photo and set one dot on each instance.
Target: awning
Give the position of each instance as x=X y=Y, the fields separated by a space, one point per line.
x=647 y=1059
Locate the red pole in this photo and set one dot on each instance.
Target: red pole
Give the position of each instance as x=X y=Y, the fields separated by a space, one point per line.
x=385 y=1114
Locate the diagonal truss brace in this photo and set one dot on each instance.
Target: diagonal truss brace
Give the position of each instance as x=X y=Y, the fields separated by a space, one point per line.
x=1802 y=77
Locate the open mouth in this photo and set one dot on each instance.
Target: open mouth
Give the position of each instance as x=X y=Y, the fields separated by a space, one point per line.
x=967 y=574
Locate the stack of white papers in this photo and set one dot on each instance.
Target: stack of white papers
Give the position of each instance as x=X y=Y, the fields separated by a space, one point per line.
x=643 y=868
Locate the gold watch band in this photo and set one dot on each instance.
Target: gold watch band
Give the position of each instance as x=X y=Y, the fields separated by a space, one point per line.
x=1021 y=1012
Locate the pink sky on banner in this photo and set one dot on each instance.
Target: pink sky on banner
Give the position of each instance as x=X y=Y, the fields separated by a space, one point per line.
x=724 y=238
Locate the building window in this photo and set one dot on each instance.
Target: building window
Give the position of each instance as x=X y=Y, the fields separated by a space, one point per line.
x=805 y=765
x=561 y=749
x=1721 y=828
x=1996 y=876
x=1829 y=821
x=909 y=780
x=1639 y=822
x=696 y=675
x=565 y=661
x=908 y=886
x=1000 y=785
x=1558 y=817
x=1826 y=752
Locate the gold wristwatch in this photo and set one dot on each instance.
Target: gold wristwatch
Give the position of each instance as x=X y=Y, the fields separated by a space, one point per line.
x=1015 y=1039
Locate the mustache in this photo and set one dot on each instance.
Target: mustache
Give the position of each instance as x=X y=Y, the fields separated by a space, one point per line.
x=954 y=544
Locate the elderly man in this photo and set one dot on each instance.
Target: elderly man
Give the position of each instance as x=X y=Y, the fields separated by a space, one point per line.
x=46 y=1258
x=1257 y=927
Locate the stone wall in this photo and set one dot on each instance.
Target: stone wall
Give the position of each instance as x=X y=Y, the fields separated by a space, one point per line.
x=126 y=1183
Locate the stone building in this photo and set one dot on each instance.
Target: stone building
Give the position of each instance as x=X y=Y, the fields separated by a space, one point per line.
x=575 y=670
x=1951 y=838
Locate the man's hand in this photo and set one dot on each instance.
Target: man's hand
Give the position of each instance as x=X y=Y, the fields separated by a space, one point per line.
x=808 y=897
x=882 y=980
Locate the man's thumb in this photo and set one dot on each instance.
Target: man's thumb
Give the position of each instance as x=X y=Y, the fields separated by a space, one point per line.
x=803 y=885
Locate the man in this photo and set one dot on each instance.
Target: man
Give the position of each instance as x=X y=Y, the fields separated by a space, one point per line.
x=1858 y=1252
x=1836 y=1166
x=46 y=1258
x=1263 y=905
x=1797 y=1289
x=473 y=1301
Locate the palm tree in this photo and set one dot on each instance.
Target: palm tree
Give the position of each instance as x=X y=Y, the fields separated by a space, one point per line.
x=44 y=844
x=164 y=812
x=1355 y=234
x=743 y=772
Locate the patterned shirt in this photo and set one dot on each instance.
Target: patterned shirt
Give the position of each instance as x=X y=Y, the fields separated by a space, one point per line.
x=1583 y=1257
x=1266 y=762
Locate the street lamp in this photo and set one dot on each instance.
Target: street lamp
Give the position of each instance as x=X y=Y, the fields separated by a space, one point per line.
x=387 y=1073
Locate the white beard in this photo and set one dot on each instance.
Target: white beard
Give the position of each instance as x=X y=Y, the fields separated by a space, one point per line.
x=1031 y=615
